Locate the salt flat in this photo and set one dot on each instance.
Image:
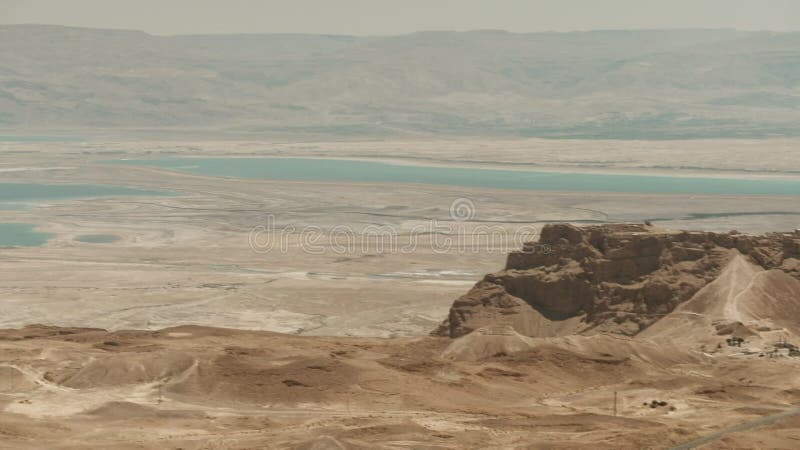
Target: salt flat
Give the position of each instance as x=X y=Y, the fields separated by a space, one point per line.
x=187 y=258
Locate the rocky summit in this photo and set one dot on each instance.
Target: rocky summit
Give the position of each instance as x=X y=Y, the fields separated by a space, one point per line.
x=610 y=278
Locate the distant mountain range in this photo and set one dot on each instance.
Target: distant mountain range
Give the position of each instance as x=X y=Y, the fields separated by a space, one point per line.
x=601 y=84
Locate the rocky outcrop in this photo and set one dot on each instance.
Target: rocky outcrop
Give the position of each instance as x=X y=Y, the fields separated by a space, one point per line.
x=609 y=278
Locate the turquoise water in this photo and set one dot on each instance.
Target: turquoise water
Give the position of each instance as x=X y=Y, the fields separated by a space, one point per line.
x=97 y=238
x=12 y=194
x=21 y=235
x=16 y=196
x=304 y=169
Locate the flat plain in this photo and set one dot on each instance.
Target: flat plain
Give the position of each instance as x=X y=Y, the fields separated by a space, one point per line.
x=207 y=369
x=187 y=258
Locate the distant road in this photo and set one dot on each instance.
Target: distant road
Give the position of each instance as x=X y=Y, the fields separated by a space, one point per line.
x=766 y=420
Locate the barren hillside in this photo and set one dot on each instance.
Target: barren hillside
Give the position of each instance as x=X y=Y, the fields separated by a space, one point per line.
x=624 y=278
x=604 y=84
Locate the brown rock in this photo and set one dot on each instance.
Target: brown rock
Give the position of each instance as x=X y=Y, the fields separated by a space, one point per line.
x=617 y=278
x=553 y=234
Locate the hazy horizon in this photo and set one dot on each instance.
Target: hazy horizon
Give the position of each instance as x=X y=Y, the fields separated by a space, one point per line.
x=382 y=18
x=627 y=85
x=400 y=34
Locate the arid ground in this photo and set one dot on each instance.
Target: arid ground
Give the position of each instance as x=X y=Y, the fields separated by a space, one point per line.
x=240 y=349
x=205 y=388
x=187 y=259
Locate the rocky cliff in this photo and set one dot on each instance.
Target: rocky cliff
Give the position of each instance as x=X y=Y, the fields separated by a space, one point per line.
x=610 y=278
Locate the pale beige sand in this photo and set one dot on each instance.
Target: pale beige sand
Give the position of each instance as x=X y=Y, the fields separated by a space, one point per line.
x=186 y=259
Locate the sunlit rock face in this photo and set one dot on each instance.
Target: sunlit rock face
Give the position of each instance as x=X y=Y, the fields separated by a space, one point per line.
x=609 y=278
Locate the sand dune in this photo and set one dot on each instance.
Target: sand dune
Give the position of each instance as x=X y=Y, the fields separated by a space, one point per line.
x=745 y=298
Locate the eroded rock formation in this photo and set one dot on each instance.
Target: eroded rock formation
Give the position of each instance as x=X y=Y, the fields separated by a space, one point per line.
x=610 y=278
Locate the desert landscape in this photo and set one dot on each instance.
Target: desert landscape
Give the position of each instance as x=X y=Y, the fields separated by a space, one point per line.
x=179 y=333
x=669 y=337
x=472 y=239
x=186 y=257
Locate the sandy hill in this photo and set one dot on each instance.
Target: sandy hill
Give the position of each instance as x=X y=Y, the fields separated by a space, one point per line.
x=200 y=388
x=745 y=301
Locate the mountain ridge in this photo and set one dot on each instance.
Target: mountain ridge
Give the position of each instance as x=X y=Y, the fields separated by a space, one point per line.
x=625 y=279
x=659 y=84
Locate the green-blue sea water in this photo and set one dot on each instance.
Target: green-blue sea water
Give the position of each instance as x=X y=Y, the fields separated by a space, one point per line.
x=308 y=169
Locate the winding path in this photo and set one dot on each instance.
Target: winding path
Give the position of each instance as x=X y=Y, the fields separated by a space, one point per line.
x=755 y=423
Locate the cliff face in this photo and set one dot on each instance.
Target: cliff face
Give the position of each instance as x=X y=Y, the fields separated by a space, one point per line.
x=610 y=278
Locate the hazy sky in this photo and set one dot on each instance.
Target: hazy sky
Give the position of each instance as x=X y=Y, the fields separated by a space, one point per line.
x=401 y=16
